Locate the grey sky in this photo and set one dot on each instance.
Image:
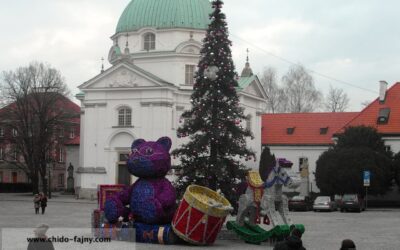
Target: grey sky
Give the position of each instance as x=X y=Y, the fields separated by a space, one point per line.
x=355 y=41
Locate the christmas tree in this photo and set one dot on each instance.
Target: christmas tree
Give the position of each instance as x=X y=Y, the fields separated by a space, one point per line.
x=217 y=139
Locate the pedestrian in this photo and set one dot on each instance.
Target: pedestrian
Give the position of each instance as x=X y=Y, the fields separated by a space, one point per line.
x=348 y=244
x=43 y=202
x=36 y=203
x=40 y=242
x=292 y=242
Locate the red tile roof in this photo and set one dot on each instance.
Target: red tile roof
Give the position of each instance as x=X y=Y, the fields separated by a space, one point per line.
x=369 y=115
x=307 y=127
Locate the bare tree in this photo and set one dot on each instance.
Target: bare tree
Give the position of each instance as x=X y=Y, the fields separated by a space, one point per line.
x=275 y=95
x=36 y=110
x=299 y=89
x=336 y=100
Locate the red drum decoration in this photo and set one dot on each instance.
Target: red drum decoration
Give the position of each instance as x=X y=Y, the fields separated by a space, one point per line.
x=200 y=215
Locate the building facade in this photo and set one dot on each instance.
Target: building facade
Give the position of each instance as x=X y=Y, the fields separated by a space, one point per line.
x=303 y=137
x=148 y=87
x=12 y=168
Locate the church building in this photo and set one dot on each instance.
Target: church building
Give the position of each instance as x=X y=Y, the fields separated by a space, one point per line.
x=154 y=55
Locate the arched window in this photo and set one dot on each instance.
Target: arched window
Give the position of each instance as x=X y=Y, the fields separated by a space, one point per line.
x=124 y=116
x=149 y=41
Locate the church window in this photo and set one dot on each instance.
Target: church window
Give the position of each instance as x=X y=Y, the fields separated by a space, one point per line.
x=124 y=117
x=189 y=74
x=149 y=41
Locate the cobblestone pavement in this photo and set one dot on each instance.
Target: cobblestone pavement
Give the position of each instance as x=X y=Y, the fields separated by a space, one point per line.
x=375 y=229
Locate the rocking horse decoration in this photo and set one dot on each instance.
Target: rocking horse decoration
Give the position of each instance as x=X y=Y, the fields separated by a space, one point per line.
x=266 y=198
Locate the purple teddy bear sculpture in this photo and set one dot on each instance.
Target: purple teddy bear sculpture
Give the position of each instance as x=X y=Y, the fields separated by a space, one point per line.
x=152 y=197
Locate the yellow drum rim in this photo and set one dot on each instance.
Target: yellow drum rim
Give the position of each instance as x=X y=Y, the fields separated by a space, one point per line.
x=190 y=197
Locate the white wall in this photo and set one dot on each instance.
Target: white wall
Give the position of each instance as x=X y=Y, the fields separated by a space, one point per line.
x=165 y=61
x=170 y=69
x=294 y=153
x=393 y=142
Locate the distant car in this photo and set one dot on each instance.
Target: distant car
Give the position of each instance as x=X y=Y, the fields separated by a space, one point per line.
x=352 y=202
x=302 y=203
x=324 y=203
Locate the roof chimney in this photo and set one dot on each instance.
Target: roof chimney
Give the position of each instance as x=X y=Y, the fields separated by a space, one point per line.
x=382 y=91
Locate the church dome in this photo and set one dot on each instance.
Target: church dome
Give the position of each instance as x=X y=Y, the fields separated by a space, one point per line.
x=165 y=14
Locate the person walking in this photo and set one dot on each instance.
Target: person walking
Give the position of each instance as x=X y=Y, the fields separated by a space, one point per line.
x=348 y=244
x=292 y=242
x=43 y=202
x=36 y=203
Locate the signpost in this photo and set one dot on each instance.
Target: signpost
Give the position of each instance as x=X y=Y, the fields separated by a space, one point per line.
x=366 y=178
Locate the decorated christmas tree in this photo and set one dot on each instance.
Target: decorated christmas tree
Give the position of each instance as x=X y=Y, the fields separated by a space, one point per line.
x=217 y=140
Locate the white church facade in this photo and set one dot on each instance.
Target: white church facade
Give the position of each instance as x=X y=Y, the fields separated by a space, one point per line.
x=143 y=94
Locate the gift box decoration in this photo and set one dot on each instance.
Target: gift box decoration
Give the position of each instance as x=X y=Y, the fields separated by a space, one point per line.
x=97 y=218
x=122 y=231
x=105 y=191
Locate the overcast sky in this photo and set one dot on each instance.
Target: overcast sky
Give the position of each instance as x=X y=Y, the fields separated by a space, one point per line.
x=357 y=42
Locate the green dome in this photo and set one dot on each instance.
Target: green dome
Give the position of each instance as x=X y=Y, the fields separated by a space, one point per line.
x=165 y=14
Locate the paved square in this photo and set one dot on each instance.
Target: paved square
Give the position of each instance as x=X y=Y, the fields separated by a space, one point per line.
x=375 y=229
